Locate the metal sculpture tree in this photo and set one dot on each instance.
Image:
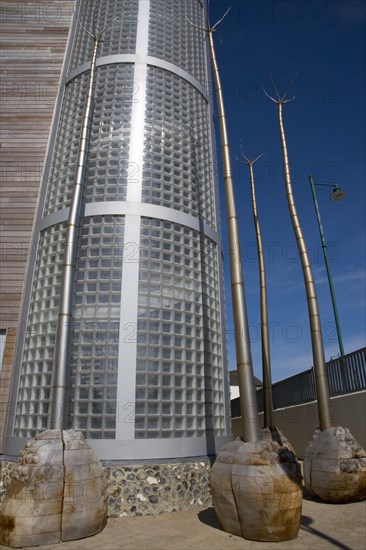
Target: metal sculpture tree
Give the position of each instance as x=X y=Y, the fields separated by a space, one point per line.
x=248 y=400
x=321 y=380
x=266 y=358
x=240 y=466
x=63 y=331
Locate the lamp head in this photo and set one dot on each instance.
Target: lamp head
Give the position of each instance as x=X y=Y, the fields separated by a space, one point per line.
x=337 y=194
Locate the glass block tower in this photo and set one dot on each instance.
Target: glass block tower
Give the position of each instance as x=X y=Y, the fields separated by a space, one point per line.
x=147 y=373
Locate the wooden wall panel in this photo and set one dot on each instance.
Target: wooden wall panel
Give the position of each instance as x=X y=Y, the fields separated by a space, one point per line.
x=33 y=41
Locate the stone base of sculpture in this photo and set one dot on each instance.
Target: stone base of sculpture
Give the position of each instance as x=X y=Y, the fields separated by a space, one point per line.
x=257 y=491
x=57 y=492
x=274 y=434
x=335 y=466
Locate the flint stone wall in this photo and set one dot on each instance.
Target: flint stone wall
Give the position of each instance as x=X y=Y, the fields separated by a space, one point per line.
x=146 y=489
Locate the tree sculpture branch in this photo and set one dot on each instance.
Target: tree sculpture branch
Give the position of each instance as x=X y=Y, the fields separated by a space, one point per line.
x=266 y=359
x=94 y=35
x=220 y=20
x=280 y=100
x=208 y=28
x=320 y=371
x=247 y=161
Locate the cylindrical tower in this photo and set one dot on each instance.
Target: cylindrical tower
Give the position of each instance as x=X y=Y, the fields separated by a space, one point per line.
x=147 y=372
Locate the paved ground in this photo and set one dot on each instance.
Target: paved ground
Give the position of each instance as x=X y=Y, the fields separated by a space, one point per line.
x=323 y=526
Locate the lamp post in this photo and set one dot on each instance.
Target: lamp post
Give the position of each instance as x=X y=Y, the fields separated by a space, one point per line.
x=336 y=195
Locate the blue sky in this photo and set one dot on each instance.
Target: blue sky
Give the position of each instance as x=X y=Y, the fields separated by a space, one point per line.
x=323 y=42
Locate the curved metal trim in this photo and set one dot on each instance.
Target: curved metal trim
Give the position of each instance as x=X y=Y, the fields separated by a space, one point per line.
x=52 y=219
x=136 y=58
x=142 y=449
x=146 y=210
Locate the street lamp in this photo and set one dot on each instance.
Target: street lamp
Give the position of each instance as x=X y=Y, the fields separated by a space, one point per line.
x=337 y=195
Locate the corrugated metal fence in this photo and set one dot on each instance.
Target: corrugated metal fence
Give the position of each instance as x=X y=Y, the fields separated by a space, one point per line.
x=346 y=374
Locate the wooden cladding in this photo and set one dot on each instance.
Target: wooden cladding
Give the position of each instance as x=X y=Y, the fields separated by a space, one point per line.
x=33 y=44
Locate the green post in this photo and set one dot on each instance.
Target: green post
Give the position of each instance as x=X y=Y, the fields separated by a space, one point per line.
x=325 y=253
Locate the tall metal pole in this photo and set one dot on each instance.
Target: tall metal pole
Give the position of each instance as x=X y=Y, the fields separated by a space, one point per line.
x=330 y=281
x=266 y=359
x=248 y=399
x=321 y=380
x=62 y=345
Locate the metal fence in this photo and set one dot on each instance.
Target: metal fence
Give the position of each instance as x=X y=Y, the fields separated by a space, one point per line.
x=346 y=374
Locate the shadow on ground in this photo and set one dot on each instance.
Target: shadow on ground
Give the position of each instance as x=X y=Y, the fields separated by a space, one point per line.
x=209 y=517
x=306 y=522
x=308 y=496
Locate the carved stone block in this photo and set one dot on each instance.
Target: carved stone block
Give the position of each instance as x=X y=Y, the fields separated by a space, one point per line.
x=335 y=466
x=58 y=492
x=265 y=481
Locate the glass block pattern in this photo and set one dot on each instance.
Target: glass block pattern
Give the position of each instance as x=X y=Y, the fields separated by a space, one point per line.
x=180 y=368
x=174 y=39
x=177 y=170
x=94 y=350
x=120 y=37
x=62 y=169
x=179 y=380
x=108 y=170
x=36 y=368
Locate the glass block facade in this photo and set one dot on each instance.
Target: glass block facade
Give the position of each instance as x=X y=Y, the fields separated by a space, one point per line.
x=147 y=373
x=39 y=341
x=177 y=156
x=179 y=351
x=107 y=169
x=94 y=350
